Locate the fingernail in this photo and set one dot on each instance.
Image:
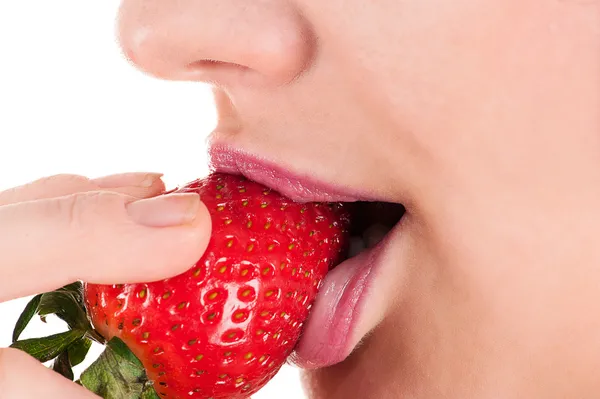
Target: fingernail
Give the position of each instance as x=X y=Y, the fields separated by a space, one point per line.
x=165 y=210
x=127 y=180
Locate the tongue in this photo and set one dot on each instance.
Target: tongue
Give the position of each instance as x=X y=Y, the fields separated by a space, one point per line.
x=329 y=334
x=327 y=337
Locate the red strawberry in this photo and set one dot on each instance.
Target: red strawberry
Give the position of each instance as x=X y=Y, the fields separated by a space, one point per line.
x=225 y=327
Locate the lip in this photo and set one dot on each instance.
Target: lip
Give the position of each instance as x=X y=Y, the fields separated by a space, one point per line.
x=299 y=188
x=334 y=326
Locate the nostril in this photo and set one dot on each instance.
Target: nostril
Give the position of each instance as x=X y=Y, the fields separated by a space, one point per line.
x=210 y=65
x=222 y=73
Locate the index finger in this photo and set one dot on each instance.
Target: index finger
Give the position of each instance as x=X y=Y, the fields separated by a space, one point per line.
x=98 y=237
x=140 y=185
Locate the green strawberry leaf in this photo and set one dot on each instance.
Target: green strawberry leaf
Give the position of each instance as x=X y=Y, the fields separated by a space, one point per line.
x=65 y=304
x=62 y=366
x=78 y=351
x=117 y=374
x=30 y=310
x=47 y=348
x=76 y=289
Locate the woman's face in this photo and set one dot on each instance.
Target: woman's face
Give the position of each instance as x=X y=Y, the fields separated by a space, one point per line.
x=481 y=117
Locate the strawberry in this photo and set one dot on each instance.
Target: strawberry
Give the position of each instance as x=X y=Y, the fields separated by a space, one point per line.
x=225 y=327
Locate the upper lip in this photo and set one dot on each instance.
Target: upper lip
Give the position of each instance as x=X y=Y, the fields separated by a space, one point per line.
x=296 y=186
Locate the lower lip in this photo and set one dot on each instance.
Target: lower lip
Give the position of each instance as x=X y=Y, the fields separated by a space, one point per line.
x=330 y=334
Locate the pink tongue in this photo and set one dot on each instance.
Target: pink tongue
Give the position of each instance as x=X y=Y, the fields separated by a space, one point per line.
x=327 y=336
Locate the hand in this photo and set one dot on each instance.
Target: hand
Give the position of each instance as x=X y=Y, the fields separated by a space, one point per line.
x=111 y=230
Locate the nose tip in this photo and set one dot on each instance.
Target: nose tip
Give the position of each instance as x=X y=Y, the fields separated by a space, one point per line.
x=215 y=40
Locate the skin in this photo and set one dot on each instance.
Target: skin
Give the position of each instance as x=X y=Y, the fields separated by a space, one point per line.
x=481 y=117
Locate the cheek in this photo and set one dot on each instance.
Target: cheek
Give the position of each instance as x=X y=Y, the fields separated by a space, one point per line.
x=433 y=70
x=413 y=68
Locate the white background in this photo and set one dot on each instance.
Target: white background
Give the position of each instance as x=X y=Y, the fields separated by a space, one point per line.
x=70 y=103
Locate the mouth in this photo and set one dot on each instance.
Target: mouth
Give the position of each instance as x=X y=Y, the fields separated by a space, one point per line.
x=336 y=322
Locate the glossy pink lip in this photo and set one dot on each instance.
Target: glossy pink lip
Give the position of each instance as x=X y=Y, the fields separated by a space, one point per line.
x=298 y=188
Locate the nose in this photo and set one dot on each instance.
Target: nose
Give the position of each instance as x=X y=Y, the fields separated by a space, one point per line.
x=216 y=41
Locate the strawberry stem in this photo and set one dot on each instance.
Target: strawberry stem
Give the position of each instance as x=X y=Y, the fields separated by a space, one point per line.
x=95 y=336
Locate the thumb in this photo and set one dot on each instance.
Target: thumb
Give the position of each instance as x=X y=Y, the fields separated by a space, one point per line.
x=23 y=377
x=98 y=237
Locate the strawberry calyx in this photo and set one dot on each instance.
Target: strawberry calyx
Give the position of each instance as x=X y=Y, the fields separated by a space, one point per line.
x=116 y=374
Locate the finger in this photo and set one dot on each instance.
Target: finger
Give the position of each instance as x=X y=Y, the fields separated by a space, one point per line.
x=98 y=237
x=139 y=185
x=23 y=377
